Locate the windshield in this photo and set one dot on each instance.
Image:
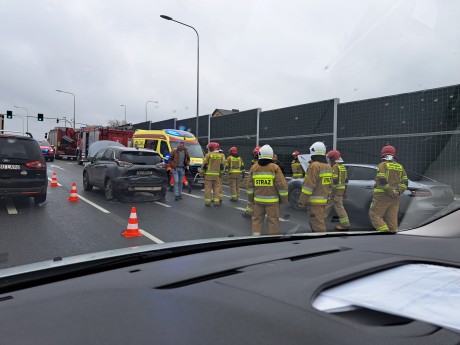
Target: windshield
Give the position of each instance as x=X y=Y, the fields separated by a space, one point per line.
x=299 y=117
x=194 y=150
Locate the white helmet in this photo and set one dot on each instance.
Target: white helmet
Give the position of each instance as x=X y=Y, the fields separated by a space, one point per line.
x=318 y=148
x=266 y=152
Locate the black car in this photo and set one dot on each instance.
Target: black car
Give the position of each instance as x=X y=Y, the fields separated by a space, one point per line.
x=123 y=170
x=22 y=168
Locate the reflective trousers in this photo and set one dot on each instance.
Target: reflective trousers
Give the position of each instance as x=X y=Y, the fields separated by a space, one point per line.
x=337 y=203
x=384 y=212
x=234 y=183
x=212 y=190
x=273 y=214
x=184 y=180
x=317 y=216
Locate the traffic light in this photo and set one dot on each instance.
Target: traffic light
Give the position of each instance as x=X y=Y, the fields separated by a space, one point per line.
x=57 y=120
x=40 y=117
x=9 y=114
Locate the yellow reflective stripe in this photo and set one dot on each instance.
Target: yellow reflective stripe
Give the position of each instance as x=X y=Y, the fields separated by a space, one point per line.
x=207 y=200
x=235 y=171
x=297 y=175
x=266 y=199
x=212 y=173
x=339 y=187
x=307 y=190
x=344 y=220
x=378 y=190
x=264 y=174
x=325 y=173
x=283 y=192
x=296 y=164
x=250 y=191
x=317 y=201
x=383 y=228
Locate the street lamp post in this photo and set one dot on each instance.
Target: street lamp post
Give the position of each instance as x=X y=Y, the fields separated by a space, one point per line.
x=146 y=108
x=70 y=93
x=27 y=118
x=197 y=68
x=125 y=112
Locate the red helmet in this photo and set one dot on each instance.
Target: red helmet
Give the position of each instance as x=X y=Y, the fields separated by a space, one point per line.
x=218 y=146
x=388 y=151
x=334 y=154
x=212 y=146
x=233 y=150
x=295 y=153
x=256 y=150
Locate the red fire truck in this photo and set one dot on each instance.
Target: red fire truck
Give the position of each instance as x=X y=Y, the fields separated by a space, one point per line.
x=91 y=134
x=65 y=142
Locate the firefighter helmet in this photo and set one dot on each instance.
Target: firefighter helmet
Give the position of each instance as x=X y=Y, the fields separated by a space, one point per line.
x=212 y=146
x=295 y=153
x=388 y=151
x=233 y=150
x=266 y=152
x=335 y=156
x=318 y=148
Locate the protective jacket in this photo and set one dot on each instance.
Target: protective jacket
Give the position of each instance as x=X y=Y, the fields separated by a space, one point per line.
x=266 y=183
x=317 y=184
x=235 y=166
x=391 y=178
x=339 y=179
x=213 y=165
x=297 y=170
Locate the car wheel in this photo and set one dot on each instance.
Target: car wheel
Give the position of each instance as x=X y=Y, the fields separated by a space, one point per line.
x=294 y=196
x=51 y=159
x=109 y=192
x=86 y=185
x=39 y=199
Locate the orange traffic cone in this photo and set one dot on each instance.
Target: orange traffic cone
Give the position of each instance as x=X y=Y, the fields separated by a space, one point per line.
x=54 y=181
x=73 y=193
x=132 y=230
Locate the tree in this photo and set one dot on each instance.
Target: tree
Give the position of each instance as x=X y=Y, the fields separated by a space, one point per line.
x=116 y=123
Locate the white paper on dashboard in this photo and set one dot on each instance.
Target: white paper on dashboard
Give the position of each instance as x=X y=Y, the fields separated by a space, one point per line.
x=428 y=293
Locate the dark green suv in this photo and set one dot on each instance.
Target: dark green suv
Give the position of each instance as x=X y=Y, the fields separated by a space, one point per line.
x=22 y=168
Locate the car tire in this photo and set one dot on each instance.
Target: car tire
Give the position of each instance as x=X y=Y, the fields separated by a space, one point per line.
x=108 y=190
x=51 y=159
x=86 y=185
x=294 y=195
x=39 y=199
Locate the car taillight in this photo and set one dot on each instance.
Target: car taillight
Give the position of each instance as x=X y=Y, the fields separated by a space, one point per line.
x=419 y=192
x=36 y=165
x=123 y=164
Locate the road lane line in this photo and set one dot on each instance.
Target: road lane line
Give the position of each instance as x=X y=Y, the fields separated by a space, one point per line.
x=150 y=236
x=193 y=196
x=60 y=185
x=240 y=208
x=57 y=167
x=281 y=219
x=160 y=203
x=10 y=207
x=93 y=204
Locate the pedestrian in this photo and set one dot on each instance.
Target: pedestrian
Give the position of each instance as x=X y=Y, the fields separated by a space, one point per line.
x=235 y=166
x=339 y=189
x=250 y=207
x=296 y=166
x=278 y=163
x=266 y=187
x=390 y=182
x=179 y=162
x=316 y=187
x=221 y=176
x=213 y=167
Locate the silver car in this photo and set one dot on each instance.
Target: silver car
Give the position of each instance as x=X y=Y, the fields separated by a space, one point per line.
x=423 y=198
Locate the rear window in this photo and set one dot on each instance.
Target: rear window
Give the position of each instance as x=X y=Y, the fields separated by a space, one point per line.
x=141 y=157
x=23 y=149
x=43 y=143
x=362 y=173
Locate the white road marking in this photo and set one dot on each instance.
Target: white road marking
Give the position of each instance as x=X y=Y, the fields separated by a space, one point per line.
x=240 y=208
x=150 y=236
x=10 y=207
x=281 y=219
x=160 y=203
x=93 y=204
x=193 y=195
x=55 y=166
x=51 y=180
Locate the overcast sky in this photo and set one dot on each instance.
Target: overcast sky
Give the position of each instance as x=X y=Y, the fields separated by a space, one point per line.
x=265 y=53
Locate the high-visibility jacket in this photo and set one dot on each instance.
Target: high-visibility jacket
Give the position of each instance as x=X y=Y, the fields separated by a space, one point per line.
x=390 y=177
x=317 y=184
x=339 y=179
x=235 y=166
x=297 y=169
x=213 y=165
x=266 y=184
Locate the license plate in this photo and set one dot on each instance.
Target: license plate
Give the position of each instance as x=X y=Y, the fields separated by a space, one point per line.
x=9 y=167
x=145 y=172
x=147 y=188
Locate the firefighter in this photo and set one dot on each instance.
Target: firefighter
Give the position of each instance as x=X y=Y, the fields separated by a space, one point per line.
x=390 y=182
x=317 y=187
x=339 y=189
x=213 y=167
x=296 y=167
x=235 y=166
x=266 y=186
x=250 y=207
x=221 y=191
